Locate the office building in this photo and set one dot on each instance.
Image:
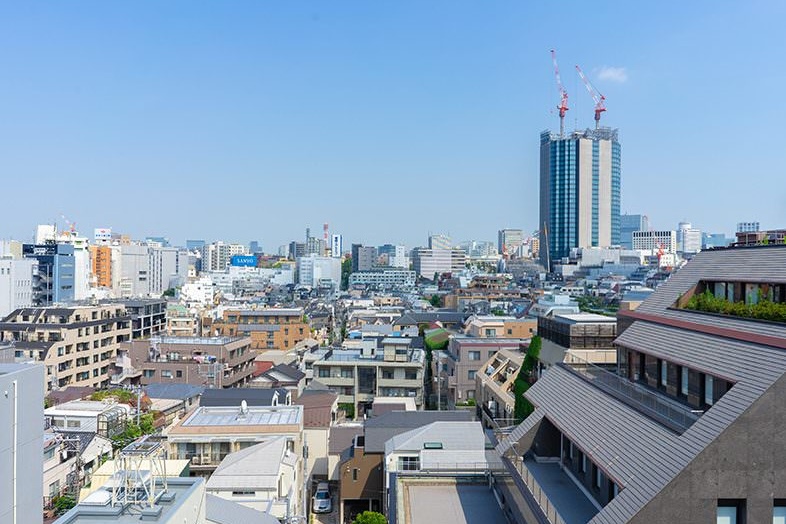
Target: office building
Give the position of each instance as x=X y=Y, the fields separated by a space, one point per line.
x=217 y=255
x=509 y=242
x=748 y=227
x=16 y=283
x=21 y=443
x=381 y=279
x=687 y=428
x=440 y=241
x=579 y=191
x=629 y=224
x=653 y=241
x=195 y=245
x=712 y=240
x=364 y=258
x=336 y=246
x=296 y=250
x=76 y=344
x=688 y=239
x=319 y=271
x=101 y=265
x=54 y=282
x=428 y=262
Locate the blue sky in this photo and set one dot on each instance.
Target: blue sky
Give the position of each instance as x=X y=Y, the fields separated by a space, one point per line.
x=387 y=119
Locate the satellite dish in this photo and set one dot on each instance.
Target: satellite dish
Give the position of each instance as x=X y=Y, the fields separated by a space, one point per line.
x=243 y=407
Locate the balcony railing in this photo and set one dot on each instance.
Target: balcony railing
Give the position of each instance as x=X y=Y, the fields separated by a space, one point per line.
x=670 y=413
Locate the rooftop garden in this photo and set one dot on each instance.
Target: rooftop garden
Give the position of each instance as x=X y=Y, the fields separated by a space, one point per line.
x=763 y=309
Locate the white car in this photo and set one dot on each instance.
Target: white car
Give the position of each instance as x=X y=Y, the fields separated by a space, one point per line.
x=321 y=502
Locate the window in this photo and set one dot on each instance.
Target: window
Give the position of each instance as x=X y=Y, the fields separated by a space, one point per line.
x=243 y=493
x=473 y=355
x=54 y=488
x=409 y=463
x=179 y=373
x=74 y=423
x=149 y=373
x=411 y=374
x=355 y=474
x=664 y=374
x=324 y=372
x=708 y=386
x=166 y=373
x=471 y=374
x=347 y=373
x=583 y=463
x=684 y=381
x=730 y=511
x=491 y=332
x=779 y=512
x=597 y=476
x=470 y=393
x=49 y=454
x=387 y=373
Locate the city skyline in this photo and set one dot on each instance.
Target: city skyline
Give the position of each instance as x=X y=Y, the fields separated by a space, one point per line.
x=252 y=122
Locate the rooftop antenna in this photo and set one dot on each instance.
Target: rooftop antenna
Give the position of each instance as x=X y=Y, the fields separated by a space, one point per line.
x=563 y=96
x=600 y=100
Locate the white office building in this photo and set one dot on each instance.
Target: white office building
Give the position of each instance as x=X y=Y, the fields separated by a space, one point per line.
x=314 y=270
x=16 y=283
x=336 y=246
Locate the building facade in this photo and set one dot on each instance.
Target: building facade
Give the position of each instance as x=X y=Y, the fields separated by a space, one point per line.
x=509 y=241
x=384 y=279
x=273 y=328
x=629 y=224
x=579 y=191
x=317 y=271
x=653 y=241
x=54 y=282
x=16 y=283
x=426 y=262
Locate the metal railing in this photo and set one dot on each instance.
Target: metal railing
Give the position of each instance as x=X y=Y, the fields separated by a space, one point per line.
x=668 y=412
x=538 y=494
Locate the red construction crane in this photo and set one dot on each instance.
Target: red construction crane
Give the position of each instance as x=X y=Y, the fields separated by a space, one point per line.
x=563 y=95
x=600 y=100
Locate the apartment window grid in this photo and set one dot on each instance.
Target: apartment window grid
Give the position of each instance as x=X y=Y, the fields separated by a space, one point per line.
x=409 y=463
x=595 y=190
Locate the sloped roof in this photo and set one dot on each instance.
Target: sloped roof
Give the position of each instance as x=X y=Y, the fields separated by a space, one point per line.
x=173 y=391
x=317 y=408
x=256 y=466
x=234 y=396
x=379 y=430
x=219 y=510
x=452 y=435
x=341 y=438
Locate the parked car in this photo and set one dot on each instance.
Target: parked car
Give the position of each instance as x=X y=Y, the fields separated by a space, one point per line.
x=322 y=502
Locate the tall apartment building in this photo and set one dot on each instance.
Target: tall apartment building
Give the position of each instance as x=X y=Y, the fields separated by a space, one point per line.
x=101 y=265
x=509 y=241
x=426 y=262
x=579 y=191
x=388 y=278
x=336 y=246
x=76 y=344
x=217 y=255
x=150 y=270
x=629 y=224
x=688 y=427
x=215 y=362
x=54 y=282
x=273 y=328
x=16 y=283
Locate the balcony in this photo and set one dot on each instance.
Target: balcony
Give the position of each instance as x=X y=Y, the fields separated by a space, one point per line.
x=670 y=413
x=557 y=499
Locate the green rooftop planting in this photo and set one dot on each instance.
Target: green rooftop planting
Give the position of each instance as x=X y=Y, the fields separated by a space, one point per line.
x=763 y=310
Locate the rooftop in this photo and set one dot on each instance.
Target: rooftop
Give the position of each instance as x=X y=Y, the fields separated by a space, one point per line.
x=450 y=502
x=255 y=416
x=210 y=341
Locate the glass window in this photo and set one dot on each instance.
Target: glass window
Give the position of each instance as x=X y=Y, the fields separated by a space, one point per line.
x=779 y=512
x=664 y=375
x=583 y=463
x=409 y=463
x=473 y=355
x=471 y=374
x=684 y=381
x=726 y=515
x=708 y=386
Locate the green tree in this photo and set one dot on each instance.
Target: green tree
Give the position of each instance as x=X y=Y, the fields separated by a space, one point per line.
x=522 y=407
x=346 y=270
x=169 y=292
x=435 y=300
x=63 y=503
x=348 y=408
x=370 y=517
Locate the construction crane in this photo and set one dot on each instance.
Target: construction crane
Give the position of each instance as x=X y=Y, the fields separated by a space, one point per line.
x=600 y=100
x=563 y=95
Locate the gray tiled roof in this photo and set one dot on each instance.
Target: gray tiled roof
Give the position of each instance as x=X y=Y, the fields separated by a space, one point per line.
x=222 y=511
x=380 y=429
x=234 y=396
x=173 y=391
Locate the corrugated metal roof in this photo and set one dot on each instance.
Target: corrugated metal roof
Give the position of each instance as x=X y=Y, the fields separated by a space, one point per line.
x=256 y=416
x=255 y=467
x=222 y=511
x=380 y=429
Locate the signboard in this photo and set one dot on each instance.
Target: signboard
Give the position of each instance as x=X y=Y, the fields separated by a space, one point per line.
x=243 y=261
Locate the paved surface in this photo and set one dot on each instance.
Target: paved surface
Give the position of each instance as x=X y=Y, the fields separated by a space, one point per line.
x=456 y=504
x=571 y=503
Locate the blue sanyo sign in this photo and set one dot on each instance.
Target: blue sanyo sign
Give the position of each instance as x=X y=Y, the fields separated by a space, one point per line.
x=243 y=260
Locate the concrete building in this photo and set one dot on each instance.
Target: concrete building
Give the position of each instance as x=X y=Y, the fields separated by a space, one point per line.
x=494 y=388
x=579 y=191
x=439 y=242
x=318 y=271
x=509 y=241
x=76 y=344
x=583 y=337
x=457 y=366
x=426 y=262
x=207 y=435
x=394 y=369
x=748 y=227
x=384 y=279
x=683 y=430
x=16 y=283
x=217 y=255
x=364 y=258
x=219 y=362
x=491 y=326
x=688 y=238
x=21 y=443
x=653 y=241
x=54 y=282
x=148 y=315
x=629 y=224
x=180 y=322
x=272 y=328
x=101 y=265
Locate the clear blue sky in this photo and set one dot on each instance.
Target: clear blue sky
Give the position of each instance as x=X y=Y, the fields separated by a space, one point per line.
x=387 y=119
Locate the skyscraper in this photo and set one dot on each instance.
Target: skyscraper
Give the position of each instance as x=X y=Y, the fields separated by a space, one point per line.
x=629 y=224
x=509 y=241
x=579 y=191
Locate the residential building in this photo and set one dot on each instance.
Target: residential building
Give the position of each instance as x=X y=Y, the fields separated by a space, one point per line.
x=54 y=282
x=148 y=315
x=754 y=238
x=748 y=227
x=272 y=328
x=551 y=304
x=207 y=435
x=217 y=255
x=457 y=366
x=688 y=238
x=683 y=432
x=21 y=443
x=281 y=376
x=76 y=344
x=319 y=271
x=494 y=388
x=320 y=413
x=101 y=265
x=364 y=258
x=509 y=241
x=579 y=191
x=586 y=337
x=491 y=326
x=297 y=250
x=629 y=224
x=362 y=477
x=336 y=246
x=392 y=369
x=216 y=362
x=265 y=476
x=17 y=276
x=427 y=262
x=655 y=241
x=413 y=319
x=106 y=419
x=383 y=279
x=180 y=322
x=173 y=399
